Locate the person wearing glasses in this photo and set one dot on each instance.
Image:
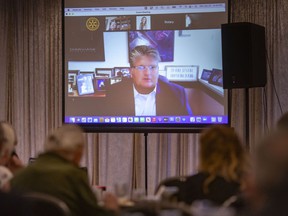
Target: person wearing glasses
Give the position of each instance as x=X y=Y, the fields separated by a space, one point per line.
x=145 y=92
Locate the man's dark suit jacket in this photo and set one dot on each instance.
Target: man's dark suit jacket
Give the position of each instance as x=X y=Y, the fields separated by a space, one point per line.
x=171 y=99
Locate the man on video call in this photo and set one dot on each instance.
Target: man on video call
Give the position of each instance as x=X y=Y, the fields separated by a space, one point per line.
x=146 y=93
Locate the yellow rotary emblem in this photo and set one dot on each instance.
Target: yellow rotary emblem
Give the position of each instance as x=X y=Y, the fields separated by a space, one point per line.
x=92 y=24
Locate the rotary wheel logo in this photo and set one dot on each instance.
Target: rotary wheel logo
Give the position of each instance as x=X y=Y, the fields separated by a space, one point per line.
x=92 y=24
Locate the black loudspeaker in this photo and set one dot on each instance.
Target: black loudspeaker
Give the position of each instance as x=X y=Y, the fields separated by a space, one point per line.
x=244 y=57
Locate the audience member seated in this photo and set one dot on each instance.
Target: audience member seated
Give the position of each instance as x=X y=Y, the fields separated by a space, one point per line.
x=266 y=184
x=56 y=172
x=223 y=161
x=8 y=201
x=8 y=142
x=268 y=192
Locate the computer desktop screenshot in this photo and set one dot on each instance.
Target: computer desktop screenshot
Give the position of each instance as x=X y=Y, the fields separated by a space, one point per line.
x=99 y=41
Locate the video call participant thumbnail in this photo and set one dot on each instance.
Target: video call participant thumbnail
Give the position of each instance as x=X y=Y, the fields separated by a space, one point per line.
x=146 y=93
x=143 y=23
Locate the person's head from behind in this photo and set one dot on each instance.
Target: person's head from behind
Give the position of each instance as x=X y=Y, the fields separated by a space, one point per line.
x=270 y=173
x=68 y=142
x=271 y=161
x=144 y=68
x=8 y=141
x=222 y=154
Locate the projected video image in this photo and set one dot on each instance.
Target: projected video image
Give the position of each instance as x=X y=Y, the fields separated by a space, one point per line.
x=157 y=64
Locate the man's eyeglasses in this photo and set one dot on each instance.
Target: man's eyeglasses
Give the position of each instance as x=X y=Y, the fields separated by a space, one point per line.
x=149 y=67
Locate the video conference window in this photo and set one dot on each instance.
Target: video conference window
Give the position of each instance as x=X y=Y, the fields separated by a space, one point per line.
x=188 y=40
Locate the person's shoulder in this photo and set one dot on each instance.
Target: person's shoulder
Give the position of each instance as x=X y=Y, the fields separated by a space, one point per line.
x=194 y=183
x=220 y=180
x=201 y=176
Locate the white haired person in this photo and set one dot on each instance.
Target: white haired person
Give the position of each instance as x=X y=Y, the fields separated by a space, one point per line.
x=8 y=141
x=56 y=172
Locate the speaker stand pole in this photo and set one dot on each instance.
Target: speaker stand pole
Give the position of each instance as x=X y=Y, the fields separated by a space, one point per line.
x=247 y=120
x=146 y=164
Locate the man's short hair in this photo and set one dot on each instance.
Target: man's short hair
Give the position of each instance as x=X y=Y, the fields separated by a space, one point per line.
x=7 y=138
x=143 y=50
x=67 y=137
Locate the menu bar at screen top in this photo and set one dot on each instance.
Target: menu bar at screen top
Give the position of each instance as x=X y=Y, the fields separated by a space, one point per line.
x=137 y=10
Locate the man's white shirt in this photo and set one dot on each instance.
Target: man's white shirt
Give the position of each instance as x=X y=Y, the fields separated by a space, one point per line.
x=145 y=104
